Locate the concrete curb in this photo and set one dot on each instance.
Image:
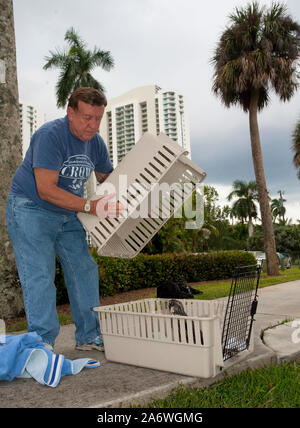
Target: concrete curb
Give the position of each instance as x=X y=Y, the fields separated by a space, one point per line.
x=142 y=398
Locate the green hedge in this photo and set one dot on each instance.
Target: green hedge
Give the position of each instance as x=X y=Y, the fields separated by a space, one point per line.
x=144 y=271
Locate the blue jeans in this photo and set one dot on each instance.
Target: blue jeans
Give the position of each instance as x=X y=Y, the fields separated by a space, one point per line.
x=37 y=235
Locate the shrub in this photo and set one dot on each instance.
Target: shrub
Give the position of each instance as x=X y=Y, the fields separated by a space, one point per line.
x=144 y=271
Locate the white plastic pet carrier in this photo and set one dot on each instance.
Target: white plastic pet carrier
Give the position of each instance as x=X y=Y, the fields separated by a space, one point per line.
x=153 y=162
x=144 y=333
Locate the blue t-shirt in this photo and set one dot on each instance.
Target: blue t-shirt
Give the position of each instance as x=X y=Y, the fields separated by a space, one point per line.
x=54 y=147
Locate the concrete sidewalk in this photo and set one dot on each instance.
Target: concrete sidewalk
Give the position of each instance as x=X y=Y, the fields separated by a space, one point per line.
x=116 y=385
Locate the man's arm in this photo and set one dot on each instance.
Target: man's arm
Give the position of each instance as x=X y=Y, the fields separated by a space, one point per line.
x=46 y=183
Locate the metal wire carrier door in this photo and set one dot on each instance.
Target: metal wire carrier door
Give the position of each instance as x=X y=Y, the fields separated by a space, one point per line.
x=240 y=310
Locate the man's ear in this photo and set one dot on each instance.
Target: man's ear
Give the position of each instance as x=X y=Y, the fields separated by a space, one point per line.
x=70 y=112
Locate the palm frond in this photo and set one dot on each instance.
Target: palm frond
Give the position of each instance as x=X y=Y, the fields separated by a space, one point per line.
x=102 y=59
x=86 y=79
x=55 y=59
x=256 y=52
x=252 y=10
x=74 y=40
x=65 y=84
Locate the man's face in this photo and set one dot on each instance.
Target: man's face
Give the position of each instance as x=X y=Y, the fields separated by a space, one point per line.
x=85 y=121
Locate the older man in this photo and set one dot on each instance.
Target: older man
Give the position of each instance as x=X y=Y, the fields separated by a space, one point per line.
x=46 y=194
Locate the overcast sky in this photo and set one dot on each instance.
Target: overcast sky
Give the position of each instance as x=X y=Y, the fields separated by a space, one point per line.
x=168 y=43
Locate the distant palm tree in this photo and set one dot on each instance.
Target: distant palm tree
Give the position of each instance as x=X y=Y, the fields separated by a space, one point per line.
x=278 y=210
x=255 y=53
x=76 y=65
x=227 y=212
x=296 y=147
x=244 y=207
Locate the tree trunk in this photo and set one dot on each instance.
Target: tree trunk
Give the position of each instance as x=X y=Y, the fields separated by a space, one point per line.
x=11 y=303
x=250 y=227
x=265 y=210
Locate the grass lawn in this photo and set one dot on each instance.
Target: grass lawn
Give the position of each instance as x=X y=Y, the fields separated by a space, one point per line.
x=269 y=387
x=216 y=289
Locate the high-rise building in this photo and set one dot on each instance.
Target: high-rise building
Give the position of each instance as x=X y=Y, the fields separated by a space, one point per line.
x=31 y=118
x=147 y=108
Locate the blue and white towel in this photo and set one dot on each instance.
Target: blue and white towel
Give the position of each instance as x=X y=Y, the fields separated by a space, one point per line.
x=25 y=356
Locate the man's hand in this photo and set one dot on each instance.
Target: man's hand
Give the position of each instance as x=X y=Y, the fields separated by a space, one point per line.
x=102 y=208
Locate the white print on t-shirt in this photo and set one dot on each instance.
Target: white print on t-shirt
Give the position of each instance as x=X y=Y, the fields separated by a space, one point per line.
x=77 y=168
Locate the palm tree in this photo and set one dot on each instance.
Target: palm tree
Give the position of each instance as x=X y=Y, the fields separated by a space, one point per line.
x=277 y=208
x=11 y=303
x=257 y=52
x=244 y=207
x=75 y=66
x=296 y=147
